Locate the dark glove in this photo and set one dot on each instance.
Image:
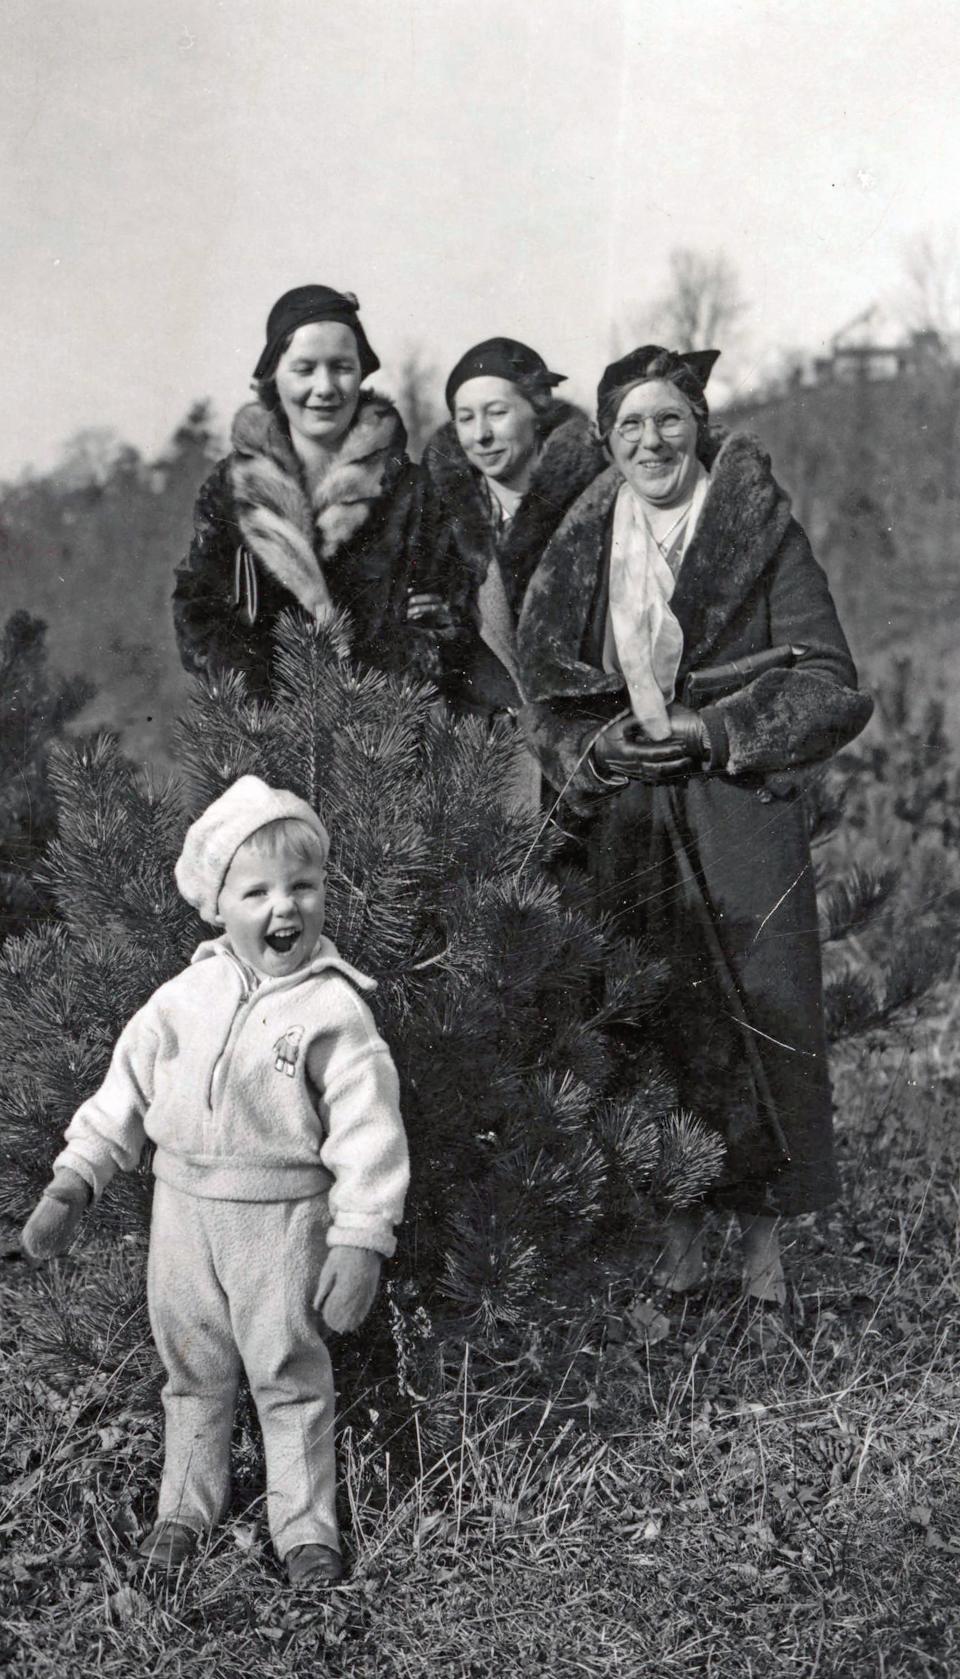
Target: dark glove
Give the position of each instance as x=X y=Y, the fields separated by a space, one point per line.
x=623 y=750
x=687 y=730
x=52 y=1226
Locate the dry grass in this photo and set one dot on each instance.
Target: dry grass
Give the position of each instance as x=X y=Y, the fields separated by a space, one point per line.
x=733 y=1501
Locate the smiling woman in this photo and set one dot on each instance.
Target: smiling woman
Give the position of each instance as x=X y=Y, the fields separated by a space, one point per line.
x=496 y=428
x=654 y=443
x=500 y=476
x=318 y=386
x=317 y=506
x=685 y=667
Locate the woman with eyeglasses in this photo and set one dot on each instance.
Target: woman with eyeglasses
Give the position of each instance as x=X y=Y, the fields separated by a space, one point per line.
x=686 y=668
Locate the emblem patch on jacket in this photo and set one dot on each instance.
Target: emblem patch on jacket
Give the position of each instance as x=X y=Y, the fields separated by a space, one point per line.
x=286 y=1051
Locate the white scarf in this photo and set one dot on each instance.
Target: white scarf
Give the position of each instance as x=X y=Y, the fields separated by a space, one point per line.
x=643 y=640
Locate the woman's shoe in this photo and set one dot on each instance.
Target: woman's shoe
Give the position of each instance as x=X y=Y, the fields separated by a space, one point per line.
x=168 y=1544
x=682 y=1263
x=764 y=1282
x=314 y=1565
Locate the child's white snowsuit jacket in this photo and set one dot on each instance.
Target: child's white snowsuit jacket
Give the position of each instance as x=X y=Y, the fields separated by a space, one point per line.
x=272 y=1093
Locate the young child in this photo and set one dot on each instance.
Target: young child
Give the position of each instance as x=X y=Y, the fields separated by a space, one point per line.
x=281 y=1169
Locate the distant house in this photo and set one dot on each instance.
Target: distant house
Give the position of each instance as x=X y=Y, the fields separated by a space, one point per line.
x=872 y=347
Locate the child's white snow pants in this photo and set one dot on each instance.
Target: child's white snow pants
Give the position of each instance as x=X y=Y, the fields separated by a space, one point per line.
x=231 y=1282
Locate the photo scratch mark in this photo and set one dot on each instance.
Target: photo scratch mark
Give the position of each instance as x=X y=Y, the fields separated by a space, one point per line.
x=793 y=1048
x=780 y=900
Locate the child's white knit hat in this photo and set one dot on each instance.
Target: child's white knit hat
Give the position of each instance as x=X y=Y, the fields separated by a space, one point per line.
x=212 y=841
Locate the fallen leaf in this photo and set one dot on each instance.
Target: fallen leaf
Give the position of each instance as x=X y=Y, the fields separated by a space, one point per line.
x=651 y=1325
x=124 y=1523
x=26 y=1483
x=127 y=1605
x=15 y=1570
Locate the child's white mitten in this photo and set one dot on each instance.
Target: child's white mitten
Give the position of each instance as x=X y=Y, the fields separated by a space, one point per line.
x=52 y=1226
x=347 y=1287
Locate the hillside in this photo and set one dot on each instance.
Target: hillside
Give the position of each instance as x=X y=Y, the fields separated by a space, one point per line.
x=92 y=552
x=874 y=471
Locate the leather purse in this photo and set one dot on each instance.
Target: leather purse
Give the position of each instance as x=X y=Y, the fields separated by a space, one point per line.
x=715 y=682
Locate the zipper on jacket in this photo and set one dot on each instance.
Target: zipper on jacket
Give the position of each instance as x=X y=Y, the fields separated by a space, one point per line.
x=247 y=995
x=250 y=996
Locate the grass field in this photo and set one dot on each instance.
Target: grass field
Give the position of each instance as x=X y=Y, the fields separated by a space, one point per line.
x=735 y=1500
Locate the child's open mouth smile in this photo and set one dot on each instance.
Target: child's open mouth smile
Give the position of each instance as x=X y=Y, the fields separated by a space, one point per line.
x=283 y=940
x=272 y=908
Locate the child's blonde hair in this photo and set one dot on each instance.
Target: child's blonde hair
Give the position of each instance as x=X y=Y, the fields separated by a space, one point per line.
x=287 y=833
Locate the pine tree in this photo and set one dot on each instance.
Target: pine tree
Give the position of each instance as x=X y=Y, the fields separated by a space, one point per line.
x=531 y=1042
x=889 y=907
x=34 y=707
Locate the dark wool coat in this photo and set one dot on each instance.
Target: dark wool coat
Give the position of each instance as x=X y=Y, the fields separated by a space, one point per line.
x=719 y=864
x=464 y=543
x=262 y=544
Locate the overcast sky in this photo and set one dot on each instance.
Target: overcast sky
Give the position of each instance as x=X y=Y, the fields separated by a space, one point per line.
x=518 y=166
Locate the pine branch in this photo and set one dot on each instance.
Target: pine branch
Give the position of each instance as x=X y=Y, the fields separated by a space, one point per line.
x=918 y=964
x=824 y=803
x=851 y=1004
x=848 y=904
x=630 y=1137
x=492 y=1266
x=691 y=1160
x=636 y=977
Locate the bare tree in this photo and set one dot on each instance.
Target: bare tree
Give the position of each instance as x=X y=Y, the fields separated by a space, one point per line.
x=88 y=458
x=416 y=384
x=702 y=303
x=930 y=292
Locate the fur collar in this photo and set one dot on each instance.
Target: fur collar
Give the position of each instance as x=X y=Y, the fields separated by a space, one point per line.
x=289 y=528
x=744 y=520
x=568 y=461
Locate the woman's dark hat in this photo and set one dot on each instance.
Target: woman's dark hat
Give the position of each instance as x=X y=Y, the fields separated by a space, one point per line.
x=630 y=369
x=312 y=303
x=500 y=358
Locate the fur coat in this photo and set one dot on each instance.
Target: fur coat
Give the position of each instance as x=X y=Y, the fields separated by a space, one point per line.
x=263 y=543
x=720 y=864
x=464 y=542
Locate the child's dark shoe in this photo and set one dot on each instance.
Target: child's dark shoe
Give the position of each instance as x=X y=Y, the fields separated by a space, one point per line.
x=168 y=1544
x=313 y=1565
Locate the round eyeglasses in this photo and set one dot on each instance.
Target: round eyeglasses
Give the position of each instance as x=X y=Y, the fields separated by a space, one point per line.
x=670 y=423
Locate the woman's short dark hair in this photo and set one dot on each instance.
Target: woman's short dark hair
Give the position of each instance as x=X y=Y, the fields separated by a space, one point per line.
x=539 y=394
